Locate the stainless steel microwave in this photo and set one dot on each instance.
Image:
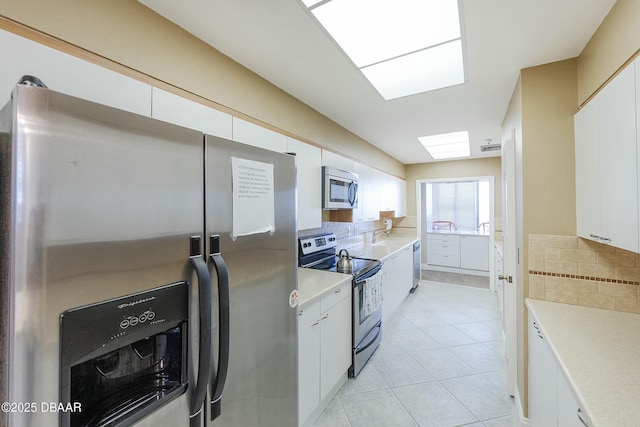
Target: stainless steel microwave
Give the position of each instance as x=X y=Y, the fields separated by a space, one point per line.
x=339 y=189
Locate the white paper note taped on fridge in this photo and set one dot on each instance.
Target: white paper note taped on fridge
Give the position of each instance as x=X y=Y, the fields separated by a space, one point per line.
x=253 y=197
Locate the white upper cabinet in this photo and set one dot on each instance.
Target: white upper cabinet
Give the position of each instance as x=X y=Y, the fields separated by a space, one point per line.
x=368 y=198
x=67 y=74
x=393 y=194
x=400 y=186
x=309 y=183
x=175 y=109
x=587 y=135
x=607 y=165
x=258 y=136
x=337 y=161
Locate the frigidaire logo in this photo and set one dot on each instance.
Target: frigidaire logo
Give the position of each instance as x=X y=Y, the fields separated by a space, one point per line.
x=134 y=303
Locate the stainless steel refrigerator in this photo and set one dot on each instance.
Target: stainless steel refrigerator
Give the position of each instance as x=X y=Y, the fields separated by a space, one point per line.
x=146 y=272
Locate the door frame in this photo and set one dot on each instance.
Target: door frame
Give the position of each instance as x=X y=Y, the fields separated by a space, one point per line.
x=511 y=259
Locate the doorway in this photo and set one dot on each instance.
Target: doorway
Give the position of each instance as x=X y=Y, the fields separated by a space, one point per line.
x=464 y=204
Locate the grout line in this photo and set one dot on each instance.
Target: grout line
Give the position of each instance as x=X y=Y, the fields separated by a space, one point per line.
x=577 y=276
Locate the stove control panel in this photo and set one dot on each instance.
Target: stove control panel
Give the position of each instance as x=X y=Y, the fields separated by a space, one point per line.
x=317 y=243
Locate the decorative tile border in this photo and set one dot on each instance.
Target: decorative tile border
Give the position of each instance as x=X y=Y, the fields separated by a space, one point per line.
x=576 y=276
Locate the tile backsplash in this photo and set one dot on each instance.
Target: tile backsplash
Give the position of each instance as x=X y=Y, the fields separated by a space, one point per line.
x=577 y=271
x=354 y=234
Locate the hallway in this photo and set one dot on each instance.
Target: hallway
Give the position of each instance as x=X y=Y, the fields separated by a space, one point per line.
x=440 y=364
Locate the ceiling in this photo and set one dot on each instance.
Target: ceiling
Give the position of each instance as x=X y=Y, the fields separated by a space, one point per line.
x=282 y=42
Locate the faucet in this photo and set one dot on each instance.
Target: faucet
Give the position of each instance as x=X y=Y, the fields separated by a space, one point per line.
x=376 y=232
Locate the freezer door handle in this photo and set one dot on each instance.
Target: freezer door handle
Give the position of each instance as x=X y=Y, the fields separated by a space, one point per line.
x=204 y=349
x=217 y=382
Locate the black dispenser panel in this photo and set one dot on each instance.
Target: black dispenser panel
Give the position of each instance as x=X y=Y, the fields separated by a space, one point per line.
x=123 y=358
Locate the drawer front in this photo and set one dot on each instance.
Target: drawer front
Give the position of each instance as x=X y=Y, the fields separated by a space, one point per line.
x=446 y=260
x=448 y=239
x=446 y=250
x=336 y=295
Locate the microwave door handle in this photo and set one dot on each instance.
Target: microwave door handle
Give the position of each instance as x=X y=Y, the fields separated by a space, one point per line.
x=217 y=382
x=204 y=343
x=353 y=193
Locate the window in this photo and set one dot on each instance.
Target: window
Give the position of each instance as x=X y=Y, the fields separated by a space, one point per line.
x=465 y=203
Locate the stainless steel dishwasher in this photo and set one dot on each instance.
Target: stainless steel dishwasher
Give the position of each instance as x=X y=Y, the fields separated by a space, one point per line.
x=416 y=265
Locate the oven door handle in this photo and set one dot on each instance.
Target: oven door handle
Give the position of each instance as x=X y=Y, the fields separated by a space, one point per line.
x=370 y=343
x=362 y=279
x=204 y=342
x=217 y=383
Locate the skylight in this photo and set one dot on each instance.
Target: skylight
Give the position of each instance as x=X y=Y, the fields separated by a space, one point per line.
x=402 y=46
x=447 y=145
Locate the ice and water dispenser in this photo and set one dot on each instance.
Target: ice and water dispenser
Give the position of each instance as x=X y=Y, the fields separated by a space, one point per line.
x=123 y=358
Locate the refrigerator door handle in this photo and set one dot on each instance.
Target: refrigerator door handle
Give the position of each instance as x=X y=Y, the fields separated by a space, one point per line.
x=204 y=346
x=217 y=382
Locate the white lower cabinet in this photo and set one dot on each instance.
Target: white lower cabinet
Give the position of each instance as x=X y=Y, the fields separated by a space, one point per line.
x=308 y=359
x=569 y=411
x=324 y=348
x=443 y=250
x=335 y=345
x=397 y=280
x=474 y=252
x=458 y=251
x=552 y=403
x=543 y=399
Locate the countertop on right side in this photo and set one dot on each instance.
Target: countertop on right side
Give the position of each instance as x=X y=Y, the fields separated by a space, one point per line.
x=599 y=351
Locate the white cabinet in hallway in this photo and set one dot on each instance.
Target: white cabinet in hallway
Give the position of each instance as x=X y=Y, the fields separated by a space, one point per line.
x=443 y=250
x=474 y=252
x=458 y=252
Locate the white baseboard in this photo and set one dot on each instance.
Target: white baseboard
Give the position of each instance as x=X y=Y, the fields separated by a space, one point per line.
x=522 y=420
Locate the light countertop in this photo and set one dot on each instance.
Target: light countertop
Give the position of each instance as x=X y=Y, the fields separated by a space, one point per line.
x=313 y=284
x=460 y=232
x=384 y=247
x=599 y=352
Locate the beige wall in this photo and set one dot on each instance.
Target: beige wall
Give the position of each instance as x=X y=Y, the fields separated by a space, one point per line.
x=130 y=34
x=549 y=101
x=489 y=166
x=616 y=40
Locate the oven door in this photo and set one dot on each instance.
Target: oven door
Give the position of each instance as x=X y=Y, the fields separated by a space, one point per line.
x=363 y=323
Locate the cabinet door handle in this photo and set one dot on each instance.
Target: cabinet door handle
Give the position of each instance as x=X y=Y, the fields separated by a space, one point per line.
x=317 y=322
x=325 y=316
x=582 y=419
x=337 y=291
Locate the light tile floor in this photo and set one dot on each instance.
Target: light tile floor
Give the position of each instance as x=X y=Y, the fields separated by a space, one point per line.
x=440 y=364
